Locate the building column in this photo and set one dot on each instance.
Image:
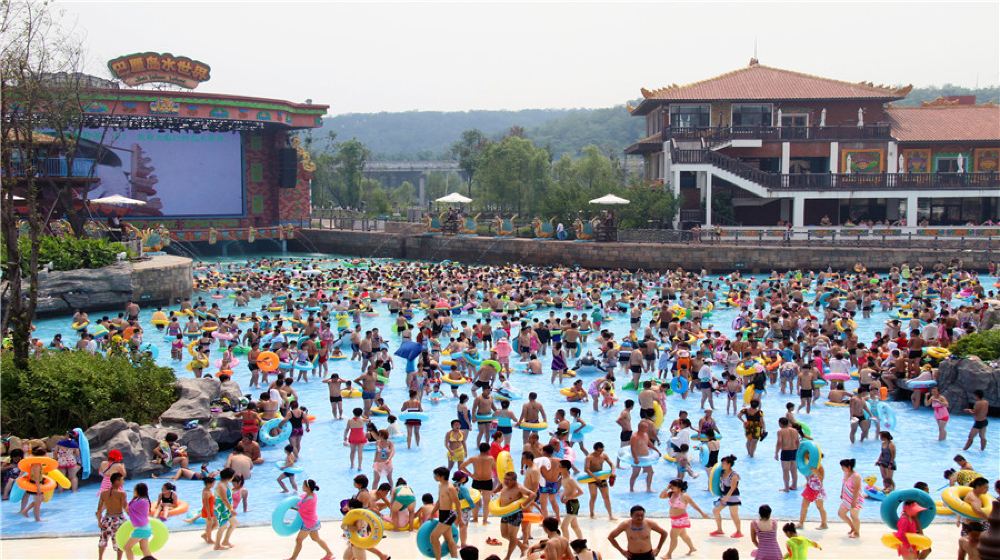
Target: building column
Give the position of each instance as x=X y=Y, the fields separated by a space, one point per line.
x=786 y=157
x=675 y=187
x=834 y=162
x=892 y=158
x=798 y=211
x=422 y=189
x=708 y=199
x=911 y=211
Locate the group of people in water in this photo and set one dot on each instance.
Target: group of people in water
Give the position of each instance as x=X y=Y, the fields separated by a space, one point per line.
x=480 y=330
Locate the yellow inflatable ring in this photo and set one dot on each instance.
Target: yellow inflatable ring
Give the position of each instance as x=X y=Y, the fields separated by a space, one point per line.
x=505 y=464
x=476 y=496
x=376 y=528
x=917 y=541
x=191 y=348
x=79 y=326
x=503 y=511
x=943 y=509
x=657 y=415
x=569 y=373
x=454 y=382
x=350 y=394
x=744 y=371
x=159 y=538
x=954 y=498
x=533 y=426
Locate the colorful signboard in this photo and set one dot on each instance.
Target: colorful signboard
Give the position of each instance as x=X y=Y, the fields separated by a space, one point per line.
x=150 y=67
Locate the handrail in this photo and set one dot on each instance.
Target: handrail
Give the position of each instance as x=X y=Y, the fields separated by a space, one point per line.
x=842 y=181
x=878 y=131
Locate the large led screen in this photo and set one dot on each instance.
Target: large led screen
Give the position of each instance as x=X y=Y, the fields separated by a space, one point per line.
x=175 y=173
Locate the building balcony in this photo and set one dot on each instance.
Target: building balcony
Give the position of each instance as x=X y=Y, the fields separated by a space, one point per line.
x=719 y=134
x=54 y=167
x=901 y=181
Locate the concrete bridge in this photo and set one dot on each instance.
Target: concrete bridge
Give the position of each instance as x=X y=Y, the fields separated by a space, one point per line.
x=394 y=173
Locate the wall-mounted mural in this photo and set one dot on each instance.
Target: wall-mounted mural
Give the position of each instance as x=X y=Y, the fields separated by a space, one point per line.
x=862 y=161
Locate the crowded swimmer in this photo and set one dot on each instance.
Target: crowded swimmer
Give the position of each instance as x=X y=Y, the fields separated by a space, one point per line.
x=436 y=368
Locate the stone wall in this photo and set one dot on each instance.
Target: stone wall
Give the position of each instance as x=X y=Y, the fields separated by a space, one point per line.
x=159 y=280
x=713 y=257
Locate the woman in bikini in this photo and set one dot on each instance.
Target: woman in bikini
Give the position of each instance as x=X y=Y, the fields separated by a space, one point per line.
x=677 y=498
x=454 y=443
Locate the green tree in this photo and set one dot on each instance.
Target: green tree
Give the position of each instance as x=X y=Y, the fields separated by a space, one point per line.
x=350 y=159
x=469 y=151
x=649 y=206
x=375 y=199
x=403 y=196
x=514 y=176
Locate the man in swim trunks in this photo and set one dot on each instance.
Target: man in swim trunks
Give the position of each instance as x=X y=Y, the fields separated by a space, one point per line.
x=639 y=449
x=646 y=399
x=483 y=466
x=482 y=411
x=551 y=478
x=786 y=448
x=638 y=531
x=860 y=415
x=509 y=492
x=592 y=464
x=446 y=507
x=978 y=411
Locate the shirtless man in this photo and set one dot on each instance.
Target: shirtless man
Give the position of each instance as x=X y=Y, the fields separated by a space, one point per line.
x=334 y=383
x=240 y=462
x=533 y=482
x=531 y=412
x=624 y=422
x=639 y=448
x=646 y=399
x=638 y=530
x=111 y=505
x=554 y=545
x=482 y=411
x=483 y=466
x=593 y=463
x=510 y=492
x=132 y=311
x=551 y=479
x=860 y=414
x=368 y=381
x=571 y=493
x=787 y=446
x=447 y=508
x=978 y=411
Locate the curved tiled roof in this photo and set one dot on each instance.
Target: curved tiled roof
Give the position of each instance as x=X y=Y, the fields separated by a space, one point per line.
x=945 y=123
x=759 y=82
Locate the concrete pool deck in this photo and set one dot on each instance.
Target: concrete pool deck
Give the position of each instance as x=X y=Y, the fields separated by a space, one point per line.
x=262 y=542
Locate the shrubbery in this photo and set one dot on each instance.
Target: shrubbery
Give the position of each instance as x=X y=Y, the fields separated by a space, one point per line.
x=65 y=390
x=69 y=253
x=984 y=344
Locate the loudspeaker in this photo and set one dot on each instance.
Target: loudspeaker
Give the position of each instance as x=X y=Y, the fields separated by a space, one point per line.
x=288 y=161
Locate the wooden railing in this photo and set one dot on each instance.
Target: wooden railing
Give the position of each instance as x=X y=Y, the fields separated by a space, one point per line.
x=716 y=134
x=839 y=181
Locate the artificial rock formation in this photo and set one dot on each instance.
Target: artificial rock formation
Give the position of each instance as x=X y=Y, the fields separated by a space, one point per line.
x=958 y=378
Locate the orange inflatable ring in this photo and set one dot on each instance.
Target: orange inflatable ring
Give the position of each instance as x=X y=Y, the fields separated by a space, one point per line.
x=48 y=485
x=531 y=517
x=182 y=507
x=268 y=361
x=128 y=333
x=48 y=464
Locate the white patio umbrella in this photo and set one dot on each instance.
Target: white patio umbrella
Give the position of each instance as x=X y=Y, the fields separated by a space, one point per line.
x=117 y=200
x=454 y=198
x=609 y=199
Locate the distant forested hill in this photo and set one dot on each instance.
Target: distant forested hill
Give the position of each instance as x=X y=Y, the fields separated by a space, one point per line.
x=415 y=135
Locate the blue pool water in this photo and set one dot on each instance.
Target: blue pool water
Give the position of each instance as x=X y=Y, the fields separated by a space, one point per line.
x=920 y=456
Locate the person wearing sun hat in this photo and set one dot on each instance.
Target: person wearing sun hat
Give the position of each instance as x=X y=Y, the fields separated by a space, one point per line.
x=908 y=523
x=113 y=464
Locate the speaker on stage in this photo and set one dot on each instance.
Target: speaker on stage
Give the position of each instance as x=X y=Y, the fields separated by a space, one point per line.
x=288 y=161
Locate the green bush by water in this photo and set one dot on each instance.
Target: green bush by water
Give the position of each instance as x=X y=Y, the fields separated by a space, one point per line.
x=984 y=344
x=65 y=390
x=70 y=253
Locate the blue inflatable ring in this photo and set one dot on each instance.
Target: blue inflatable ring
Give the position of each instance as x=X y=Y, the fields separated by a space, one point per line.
x=265 y=432
x=815 y=456
x=424 y=538
x=895 y=499
x=886 y=416
x=290 y=470
x=414 y=415
x=281 y=527
x=84 y=443
x=679 y=385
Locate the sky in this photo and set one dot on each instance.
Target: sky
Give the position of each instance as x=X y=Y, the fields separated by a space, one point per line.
x=372 y=57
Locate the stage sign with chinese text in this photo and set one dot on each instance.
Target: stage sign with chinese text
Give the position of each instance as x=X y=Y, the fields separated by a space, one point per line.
x=150 y=67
